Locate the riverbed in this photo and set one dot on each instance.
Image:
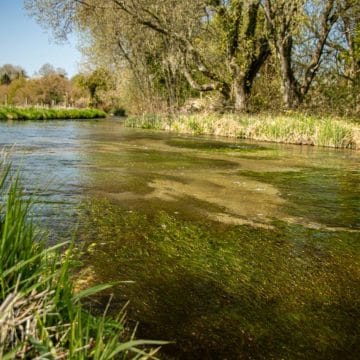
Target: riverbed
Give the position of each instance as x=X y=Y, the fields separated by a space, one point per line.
x=230 y=249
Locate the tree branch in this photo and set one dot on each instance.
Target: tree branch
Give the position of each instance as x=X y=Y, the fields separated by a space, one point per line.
x=328 y=19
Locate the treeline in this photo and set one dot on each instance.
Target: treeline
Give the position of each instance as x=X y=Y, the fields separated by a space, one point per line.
x=51 y=87
x=232 y=54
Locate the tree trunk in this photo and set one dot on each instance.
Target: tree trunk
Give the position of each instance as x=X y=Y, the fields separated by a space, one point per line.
x=241 y=95
x=243 y=79
x=290 y=94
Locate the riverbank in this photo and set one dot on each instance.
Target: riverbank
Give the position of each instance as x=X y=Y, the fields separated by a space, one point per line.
x=41 y=313
x=291 y=128
x=15 y=113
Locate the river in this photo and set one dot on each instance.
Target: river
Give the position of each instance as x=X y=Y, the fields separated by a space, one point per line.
x=232 y=249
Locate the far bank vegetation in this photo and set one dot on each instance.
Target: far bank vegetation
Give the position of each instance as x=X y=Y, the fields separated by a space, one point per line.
x=291 y=127
x=30 y=113
x=50 y=87
x=219 y=56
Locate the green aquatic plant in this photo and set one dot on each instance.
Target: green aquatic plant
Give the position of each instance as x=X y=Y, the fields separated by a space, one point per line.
x=224 y=291
x=41 y=313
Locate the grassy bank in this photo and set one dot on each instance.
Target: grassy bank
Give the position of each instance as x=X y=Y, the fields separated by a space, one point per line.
x=291 y=128
x=14 y=113
x=41 y=314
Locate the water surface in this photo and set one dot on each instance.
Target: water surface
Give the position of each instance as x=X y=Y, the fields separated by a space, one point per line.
x=235 y=249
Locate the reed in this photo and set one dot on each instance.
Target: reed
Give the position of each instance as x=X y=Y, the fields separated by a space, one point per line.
x=41 y=314
x=15 y=113
x=291 y=128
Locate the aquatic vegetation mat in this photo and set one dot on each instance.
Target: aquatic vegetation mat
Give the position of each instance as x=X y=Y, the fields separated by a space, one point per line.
x=325 y=196
x=231 y=292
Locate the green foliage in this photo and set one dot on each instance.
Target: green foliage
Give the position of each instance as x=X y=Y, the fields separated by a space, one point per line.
x=93 y=82
x=194 y=126
x=5 y=79
x=179 y=50
x=53 y=88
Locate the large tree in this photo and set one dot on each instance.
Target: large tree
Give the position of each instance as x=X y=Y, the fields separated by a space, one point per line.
x=245 y=46
x=288 y=19
x=9 y=72
x=347 y=41
x=93 y=82
x=216 y=45
x=47 y=69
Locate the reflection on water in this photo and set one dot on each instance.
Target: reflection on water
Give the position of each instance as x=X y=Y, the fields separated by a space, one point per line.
x=237 y=249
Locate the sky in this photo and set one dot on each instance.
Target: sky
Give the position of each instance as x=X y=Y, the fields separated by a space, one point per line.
x=25 y=43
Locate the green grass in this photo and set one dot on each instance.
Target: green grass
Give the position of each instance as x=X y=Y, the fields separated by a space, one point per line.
x=41 y=314
x=149 y=121
x=292 y=128
x=14 y=113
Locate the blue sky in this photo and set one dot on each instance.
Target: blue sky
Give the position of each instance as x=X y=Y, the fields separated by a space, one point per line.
x=23 y=42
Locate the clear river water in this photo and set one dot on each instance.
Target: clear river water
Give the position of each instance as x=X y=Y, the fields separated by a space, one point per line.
x=231 y=249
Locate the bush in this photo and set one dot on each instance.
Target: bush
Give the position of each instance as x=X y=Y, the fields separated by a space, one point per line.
x=119 y=112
